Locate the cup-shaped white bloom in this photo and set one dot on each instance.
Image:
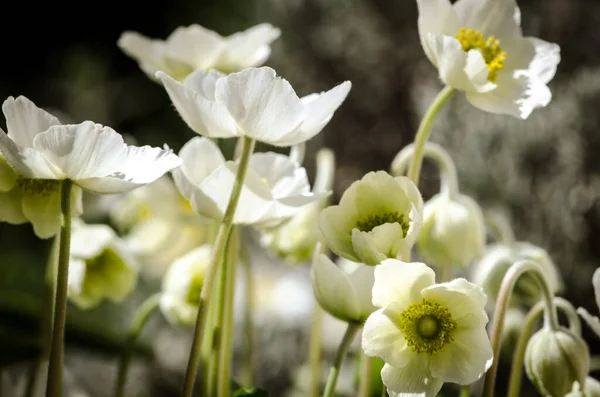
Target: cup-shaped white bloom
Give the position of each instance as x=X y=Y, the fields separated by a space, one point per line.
x=275 y=188
x=426 y=333
x=478 y=47
x=378 y=217
x=555 y=359
x=593 y=321
x=93 y=156
x=590 y=389
x=498 y=258
x=182 y=286
x=344 y=295
x=254 y=102
x=453 y=231
x=100 y=267
x=196 y=48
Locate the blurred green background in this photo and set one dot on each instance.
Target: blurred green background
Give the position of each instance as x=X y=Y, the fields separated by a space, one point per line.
x=544 y=172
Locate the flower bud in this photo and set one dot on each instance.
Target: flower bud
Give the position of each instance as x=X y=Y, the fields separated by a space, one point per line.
x=554 y=359
x=182 y=286
x=590 y=389
x=489 y=271
x=344 y=295
x=453 y=231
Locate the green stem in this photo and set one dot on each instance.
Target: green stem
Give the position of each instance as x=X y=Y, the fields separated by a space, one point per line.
x=365 y=387
x=506 y=289
x=227 y=324
x=247 y=371
x=139 y=320
x=55 y=368
x=465 y=391
x=218 y=248
x=339 y=359
x=516 y=370
x=414 y=171
x=218 y=309
x=314 y=355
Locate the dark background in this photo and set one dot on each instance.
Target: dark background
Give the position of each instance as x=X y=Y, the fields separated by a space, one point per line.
x=543 y=172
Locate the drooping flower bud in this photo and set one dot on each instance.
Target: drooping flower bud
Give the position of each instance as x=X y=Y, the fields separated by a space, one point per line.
x=453 y=231
x=555 y=359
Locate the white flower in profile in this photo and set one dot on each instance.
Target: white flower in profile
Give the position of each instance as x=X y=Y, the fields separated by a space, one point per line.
x=479 y=48
x=346 y=295
x=99 y=267
x=426 y=333
x=94 y=157
x=593 y=321
x=182 y=286
x=196 y=48
x=378 y=217
x=254 y=102
x=275 y=187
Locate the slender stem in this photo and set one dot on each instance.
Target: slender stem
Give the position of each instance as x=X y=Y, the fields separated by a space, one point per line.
x=516 y=370
x=465 y=391
x=218 y=308
x=247 y=371
x=384 y=391
x=297 y=152
x=365 y=386
x=218 y=248
x=325 y=172
x=414 y=171
x=506 y=289
x=339 y=359
x=314 y=355
x=498 y=223
x=55 y=368
x=139 y=320
x=448 y=172
x=227 y=324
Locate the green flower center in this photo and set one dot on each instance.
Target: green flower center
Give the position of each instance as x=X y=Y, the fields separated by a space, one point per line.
x=493 y=55
x=193 y=295
x=40 y=187
x=372 y=221
x=427 y=326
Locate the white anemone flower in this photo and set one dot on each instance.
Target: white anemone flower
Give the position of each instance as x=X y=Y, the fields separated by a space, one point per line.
x=479 y=48
x=94 y=157
x=426 y=333
x=99 y=267
x=275 y=187
x=194 y=47
x=182 y=286
x=254 y=102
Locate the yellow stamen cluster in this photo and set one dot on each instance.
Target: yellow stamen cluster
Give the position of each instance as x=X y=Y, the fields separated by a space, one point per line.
x=372 y=221
x=427 y=326
x=493 y=55
x=40 y=187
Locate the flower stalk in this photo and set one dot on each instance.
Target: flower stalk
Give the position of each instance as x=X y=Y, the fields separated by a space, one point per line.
x=55 y=368
x=314 y=355
x=506 y=289
x=139 y=321
x=339 y=358
x=247 y=370
x=365 y=385
x=218 y=250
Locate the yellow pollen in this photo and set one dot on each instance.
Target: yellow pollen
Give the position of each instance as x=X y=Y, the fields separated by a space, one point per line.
x=493 y=55
x=40 y=187
x=372 y=221
x=427 y=326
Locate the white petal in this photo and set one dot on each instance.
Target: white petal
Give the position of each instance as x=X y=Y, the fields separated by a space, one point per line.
x=11 y=208
x=596 y=285
x=88 y=241
x=195 y=46
x=461 y=297
x=592 y=321
x=81 y=151
x=8 y=176
x=76 y=275
x=284 y=177
x=438 y=18
x=546 y=59
x=44 y=213
x=320 y=110
x=149 y=53
x=202 y=115
x=362 y=280
x=289 y=206
x=141 y=165
x=382 y=338
x=203 y=82
x=499 y=18
x=25 y=161
x=248 y=48
x=465 y=359
x=333 y=290
x=365 y=249
x=400 y=283
x=336 y=225
x=24 y=120
x=517 y=96
x=413 y=380
x=459 y=69
x=264 y=106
